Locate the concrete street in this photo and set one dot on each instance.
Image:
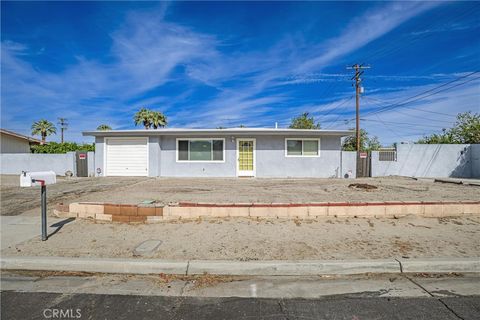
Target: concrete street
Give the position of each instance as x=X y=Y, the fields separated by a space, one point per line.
x=27 y=295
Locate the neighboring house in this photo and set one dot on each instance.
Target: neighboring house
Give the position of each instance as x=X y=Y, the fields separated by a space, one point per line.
x=12 y=142
x=241 y=152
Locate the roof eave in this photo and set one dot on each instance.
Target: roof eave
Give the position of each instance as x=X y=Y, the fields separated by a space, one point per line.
x=143 y=133
x=19 y=136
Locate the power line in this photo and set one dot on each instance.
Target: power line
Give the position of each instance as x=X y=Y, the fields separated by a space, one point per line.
x=329 y=88
x=431 y=94
x=389 y=128
x=337 y=119
x=387 y=49
x=413 y=116
x=337 y=106
x=423 y=118
x=399 y=123
x=393 y=123
x=419 y=109
x=424 y=94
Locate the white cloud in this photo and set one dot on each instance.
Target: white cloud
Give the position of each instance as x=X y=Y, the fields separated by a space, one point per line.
x=147 y=50
x=364 y=29
x=144 y=53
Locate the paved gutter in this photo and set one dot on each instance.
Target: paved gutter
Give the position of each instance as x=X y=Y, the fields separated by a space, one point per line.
x=233 y=267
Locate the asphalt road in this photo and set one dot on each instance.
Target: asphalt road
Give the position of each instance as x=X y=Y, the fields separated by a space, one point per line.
x=23 y=305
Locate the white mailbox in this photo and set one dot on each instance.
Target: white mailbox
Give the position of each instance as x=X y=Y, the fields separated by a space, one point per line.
x=26 y=178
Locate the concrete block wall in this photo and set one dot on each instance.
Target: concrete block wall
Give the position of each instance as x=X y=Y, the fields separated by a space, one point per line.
x=109 y=212
x=135 y=213
x=91 y=163
x=349 y=164
x=475 y=158
x=15 y=163
x=431 y=160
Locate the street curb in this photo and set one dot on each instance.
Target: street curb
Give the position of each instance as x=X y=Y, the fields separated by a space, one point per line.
x=440 y=265
x=232 y=267
x=102 y=265
x=293 y=268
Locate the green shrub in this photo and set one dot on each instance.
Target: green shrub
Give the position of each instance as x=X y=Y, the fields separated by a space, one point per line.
x=55 y=147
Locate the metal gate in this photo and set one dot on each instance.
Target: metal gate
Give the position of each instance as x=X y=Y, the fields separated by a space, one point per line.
x=364 y=164
x=82 y=163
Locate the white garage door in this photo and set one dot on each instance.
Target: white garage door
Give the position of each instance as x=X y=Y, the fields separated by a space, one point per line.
x=126 y=157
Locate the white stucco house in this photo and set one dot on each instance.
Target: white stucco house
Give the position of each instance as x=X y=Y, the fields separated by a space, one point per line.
x=239 y=152
x=12 y=142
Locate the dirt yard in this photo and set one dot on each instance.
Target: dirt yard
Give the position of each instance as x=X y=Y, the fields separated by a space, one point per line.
x=15 y=200
x=251 y=239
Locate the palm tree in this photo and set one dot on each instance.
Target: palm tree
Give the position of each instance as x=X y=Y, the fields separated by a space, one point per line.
x=104 y=127
x=43 y=128
x=158 y=119
x=150 y=118
x=143 y=116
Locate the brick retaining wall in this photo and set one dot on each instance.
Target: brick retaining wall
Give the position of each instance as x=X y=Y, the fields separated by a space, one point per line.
x=132 y=213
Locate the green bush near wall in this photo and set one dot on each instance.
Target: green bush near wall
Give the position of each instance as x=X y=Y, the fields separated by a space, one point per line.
x=55 y=147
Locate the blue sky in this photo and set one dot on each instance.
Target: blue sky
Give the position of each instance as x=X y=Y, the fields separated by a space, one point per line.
x=239 y=63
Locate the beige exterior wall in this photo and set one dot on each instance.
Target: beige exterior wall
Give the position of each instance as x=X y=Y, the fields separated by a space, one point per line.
x=9 y=144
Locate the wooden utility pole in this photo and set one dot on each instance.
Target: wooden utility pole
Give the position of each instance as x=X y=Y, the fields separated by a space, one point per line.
x=63 y=125
x=358 y=88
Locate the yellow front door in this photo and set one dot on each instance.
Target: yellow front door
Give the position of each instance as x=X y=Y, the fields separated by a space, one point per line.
x=246 y=157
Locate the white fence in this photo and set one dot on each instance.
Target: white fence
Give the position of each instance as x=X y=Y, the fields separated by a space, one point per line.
x=15 y=163
x=431 y=160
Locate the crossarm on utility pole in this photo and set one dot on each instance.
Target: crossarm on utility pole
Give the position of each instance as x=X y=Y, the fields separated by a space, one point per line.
x=358 y=72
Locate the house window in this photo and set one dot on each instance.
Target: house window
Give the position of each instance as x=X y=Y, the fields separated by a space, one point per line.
x=302 y=147
x=203 y=150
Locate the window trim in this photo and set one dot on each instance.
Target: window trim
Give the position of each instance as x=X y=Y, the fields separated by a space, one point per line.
x=302 y=155
x=199 y=139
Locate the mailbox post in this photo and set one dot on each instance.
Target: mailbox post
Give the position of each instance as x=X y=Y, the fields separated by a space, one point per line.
x=32 y=179
x=43 y=195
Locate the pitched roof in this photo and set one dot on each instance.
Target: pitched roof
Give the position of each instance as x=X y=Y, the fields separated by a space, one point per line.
x=20 y=136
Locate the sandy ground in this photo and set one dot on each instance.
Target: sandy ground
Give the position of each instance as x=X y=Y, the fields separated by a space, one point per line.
x=15 y=200
x=286 y=190
x=251 y=239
